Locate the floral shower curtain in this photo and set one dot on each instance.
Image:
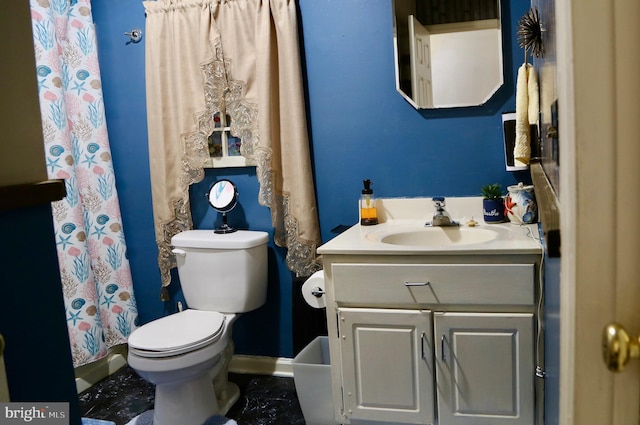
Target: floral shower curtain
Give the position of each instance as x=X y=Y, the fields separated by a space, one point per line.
x=96 y=278
x=240 y=58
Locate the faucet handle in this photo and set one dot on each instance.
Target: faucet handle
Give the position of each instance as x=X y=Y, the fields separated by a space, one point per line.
x=438 y=201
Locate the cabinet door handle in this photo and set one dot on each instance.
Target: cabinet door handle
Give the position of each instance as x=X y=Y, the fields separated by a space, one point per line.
x=416 y=283
x=423 y=336
x=442 y=356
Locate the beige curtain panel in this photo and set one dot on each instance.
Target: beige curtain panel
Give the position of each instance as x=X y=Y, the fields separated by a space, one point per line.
x=240 y=58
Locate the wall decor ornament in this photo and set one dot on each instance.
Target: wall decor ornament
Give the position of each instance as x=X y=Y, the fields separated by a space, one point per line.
x=530 y=33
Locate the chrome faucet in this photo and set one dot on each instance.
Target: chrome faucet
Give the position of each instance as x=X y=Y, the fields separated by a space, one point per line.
x=441 y=217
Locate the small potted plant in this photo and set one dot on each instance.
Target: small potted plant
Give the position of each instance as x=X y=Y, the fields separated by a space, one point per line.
x=492 y=203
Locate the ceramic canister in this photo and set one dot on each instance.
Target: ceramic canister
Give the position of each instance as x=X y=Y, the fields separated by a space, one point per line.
x=520 y=205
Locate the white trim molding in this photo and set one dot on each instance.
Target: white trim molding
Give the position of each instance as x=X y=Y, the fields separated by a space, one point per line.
x=89 y=375
x=261 y=365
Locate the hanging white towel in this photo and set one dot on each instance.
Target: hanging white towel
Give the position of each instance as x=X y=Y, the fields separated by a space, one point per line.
x=527 y=109
x=533 y=94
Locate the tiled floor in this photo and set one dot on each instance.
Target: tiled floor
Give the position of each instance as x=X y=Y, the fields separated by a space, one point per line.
x=264 y=400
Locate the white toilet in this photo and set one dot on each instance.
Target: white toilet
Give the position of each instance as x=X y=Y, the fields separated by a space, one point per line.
x=186 y=354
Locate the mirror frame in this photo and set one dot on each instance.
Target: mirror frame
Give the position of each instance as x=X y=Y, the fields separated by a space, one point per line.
x=213 y=195
x=229 y=201
x=500 y=78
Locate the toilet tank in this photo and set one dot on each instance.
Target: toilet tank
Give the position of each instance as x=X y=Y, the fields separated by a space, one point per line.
x=222 y=272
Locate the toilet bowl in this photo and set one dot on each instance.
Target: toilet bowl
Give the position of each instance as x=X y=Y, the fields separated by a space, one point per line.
x=186 y=354
x=182 y=354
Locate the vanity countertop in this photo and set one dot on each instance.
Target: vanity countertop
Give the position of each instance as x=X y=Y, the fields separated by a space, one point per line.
x=402 y=231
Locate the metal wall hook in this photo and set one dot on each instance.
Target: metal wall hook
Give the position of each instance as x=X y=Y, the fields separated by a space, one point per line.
x=135 y=35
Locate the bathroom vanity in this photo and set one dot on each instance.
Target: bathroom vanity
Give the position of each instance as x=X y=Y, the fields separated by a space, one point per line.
x=433 y=325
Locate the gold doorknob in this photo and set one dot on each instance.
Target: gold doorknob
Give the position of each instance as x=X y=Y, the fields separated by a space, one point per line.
x=618 y=347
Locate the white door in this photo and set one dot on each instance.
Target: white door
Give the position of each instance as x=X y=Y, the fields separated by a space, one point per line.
x=485 y=368
x=420 y=56
x=599 y=110
x=387 y=365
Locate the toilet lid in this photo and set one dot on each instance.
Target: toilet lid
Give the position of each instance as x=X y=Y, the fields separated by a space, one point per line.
x=177 y=333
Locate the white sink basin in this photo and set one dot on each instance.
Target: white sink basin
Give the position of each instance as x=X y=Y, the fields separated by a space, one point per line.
x=401 y=231
x=440 y=236
x=433 y=236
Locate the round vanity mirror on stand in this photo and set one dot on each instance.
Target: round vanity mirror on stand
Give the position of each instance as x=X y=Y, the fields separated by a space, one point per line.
x=223 y=197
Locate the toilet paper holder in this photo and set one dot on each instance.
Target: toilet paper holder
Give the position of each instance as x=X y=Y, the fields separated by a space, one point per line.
x=317 y=292
x=313 y=290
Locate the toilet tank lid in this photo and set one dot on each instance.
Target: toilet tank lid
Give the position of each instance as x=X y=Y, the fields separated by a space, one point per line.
x=241 y=239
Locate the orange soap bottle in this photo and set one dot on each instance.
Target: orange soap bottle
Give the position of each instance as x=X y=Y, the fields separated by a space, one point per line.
x=368 y=211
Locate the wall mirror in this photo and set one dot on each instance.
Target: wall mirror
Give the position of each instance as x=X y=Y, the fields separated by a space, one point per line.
x=448 y=53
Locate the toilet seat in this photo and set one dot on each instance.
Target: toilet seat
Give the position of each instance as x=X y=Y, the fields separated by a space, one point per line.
x=177 y=334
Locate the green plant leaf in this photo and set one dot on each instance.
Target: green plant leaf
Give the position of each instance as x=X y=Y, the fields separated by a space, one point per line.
x=491 y=191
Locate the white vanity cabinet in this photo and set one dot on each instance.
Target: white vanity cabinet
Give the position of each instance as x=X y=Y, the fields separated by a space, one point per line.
x=446 y=340
x=387 y=365
x=484 y=368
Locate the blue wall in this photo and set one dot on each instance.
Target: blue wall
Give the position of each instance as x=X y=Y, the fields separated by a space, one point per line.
x=359 y=127
x=32 y=320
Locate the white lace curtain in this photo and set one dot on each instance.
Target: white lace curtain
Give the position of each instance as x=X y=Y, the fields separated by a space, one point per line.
x=242 y=58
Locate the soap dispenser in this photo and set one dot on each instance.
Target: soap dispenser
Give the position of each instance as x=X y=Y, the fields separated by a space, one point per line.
x=368 y=211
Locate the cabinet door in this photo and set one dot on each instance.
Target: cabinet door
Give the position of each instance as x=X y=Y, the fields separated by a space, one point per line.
x=387 y=365
x=485 y=368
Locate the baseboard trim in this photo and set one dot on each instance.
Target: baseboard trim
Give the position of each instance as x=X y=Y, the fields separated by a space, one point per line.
x=261 y=365
x=92 y=373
